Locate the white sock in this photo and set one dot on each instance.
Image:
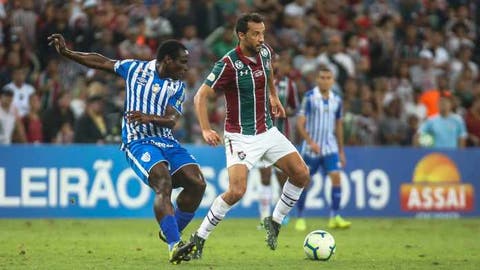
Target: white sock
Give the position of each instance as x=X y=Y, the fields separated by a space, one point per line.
x=217 y=212
x=288 y=198
x=265 y=201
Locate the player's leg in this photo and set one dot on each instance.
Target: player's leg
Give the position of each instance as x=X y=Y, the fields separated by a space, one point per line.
x=313 y=164
x=221 y=205
x=265 y=193
x=281 y=179
x=332 y=167
x=285 y=156
x=152 y=167
x=185 y=173
x=191 y=179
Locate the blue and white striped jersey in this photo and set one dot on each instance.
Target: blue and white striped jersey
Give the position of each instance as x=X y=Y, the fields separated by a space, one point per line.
x=146 y=92
x=321 y=115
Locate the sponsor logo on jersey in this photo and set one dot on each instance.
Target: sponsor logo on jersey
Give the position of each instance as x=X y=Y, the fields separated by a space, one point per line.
x=243 y=72
x=145 y=157
x=258 y=73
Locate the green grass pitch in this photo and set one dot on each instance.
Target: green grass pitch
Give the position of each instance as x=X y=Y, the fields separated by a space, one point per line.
x=375 y=243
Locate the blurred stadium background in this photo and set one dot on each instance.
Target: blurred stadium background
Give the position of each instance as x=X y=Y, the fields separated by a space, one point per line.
x=392 y=59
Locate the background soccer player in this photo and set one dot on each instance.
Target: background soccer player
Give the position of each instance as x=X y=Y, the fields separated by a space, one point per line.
x=154 y=97
x=319 y=124
x=245 y=76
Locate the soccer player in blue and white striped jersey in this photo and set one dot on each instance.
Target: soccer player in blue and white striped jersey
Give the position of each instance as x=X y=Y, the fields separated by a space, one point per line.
x=319 y=123
x=153 y=103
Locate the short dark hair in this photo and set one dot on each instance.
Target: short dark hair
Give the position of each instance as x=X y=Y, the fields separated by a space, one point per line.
x=324 y=68
x=171 y=48
x=242 y=22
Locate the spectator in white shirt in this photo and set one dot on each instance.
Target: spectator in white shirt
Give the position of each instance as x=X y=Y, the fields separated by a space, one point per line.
x=21 y=91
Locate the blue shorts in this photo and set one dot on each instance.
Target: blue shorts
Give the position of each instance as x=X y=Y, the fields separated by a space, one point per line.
x=329 y=163
x=142 y=155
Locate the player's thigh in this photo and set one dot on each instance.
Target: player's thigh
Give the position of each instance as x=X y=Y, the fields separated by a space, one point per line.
x=189 y=175
x=278 y=146
x=331 y=165
x=183 y=166
x=143 y=157
x=243 y=149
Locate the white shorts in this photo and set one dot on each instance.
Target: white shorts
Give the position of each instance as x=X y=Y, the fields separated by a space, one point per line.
x=249 y=150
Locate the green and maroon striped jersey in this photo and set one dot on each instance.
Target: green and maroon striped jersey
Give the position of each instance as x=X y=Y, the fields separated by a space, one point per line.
x=288 y=95
x=245 y=85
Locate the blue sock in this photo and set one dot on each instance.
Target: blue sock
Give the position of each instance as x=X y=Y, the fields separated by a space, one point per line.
x=183 y=218
x=336 y=196
x=169 y=227
x=301 y=204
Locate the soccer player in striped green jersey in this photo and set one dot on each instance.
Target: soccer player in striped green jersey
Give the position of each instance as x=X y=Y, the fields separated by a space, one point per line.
x=245 y=76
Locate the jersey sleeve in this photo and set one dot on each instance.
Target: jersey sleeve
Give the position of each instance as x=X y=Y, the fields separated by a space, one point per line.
x=121 y=67
x=177 y=100
x=220 y=77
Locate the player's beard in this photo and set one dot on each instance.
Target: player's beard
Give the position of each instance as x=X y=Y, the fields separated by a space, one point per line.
x=253 y=50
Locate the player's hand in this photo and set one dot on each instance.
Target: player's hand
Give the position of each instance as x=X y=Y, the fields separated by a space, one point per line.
x=314 y=147
x=58 y=42
x=211 y=137
x=277 y=108
x=138 y=117
x=343 y=160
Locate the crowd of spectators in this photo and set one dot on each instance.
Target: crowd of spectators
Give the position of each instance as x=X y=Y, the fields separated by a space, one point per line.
x=393 y=60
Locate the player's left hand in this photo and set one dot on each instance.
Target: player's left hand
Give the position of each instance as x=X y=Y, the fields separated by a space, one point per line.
x=277 y=108
x=343 y=160
x=138 y=117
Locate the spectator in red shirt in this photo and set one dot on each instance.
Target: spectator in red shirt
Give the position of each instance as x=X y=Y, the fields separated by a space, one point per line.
x=472 y=120
x=32 y=121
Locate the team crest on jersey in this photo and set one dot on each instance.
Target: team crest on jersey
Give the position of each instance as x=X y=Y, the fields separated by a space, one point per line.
x=264 y=52
x=241 y=155
x=156 y=88
x=145 y=157
x=239 y=64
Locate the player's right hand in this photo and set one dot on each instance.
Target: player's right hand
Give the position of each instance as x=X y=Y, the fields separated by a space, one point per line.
x=315 y=148
x=211 y=137
x=58 y=42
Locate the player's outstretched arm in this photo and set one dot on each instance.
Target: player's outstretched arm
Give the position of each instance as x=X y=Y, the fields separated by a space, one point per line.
x=302 y=131
x=92 y=60
x=200 y=101
x=168 y=120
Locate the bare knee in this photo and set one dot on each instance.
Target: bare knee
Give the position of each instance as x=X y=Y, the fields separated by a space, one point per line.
x=235 y=193
x=196 y=182
x=301 y=176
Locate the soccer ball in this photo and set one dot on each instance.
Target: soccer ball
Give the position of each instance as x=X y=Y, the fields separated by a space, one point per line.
x=319 y=245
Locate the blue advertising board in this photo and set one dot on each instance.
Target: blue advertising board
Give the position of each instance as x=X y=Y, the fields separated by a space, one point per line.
x=38 y=181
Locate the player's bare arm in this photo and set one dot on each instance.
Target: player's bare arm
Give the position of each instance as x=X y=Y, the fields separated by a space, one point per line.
x=339 y=135
x=301 y=121
x=200 y=102
x=168 y=120
x=91 y=60
x=277 y=108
